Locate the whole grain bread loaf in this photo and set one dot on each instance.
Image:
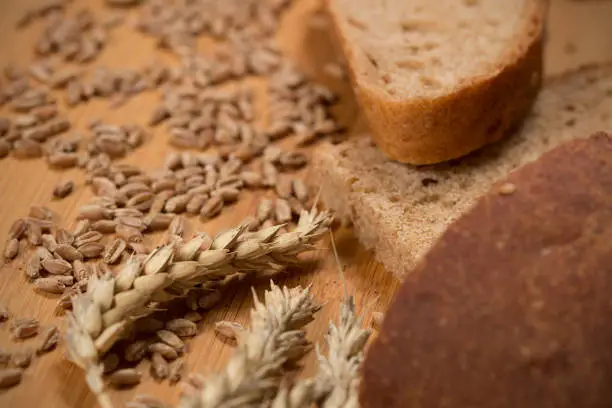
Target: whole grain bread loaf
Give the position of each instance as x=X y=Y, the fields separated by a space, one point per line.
x=512 y=306
x=400 y=210
x=439 y=79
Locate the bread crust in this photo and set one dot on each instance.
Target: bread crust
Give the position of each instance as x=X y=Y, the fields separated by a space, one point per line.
x=481 y=111
x=511 y=307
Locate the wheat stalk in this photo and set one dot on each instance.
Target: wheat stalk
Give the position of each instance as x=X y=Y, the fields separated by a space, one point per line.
x=274 y=339
x=336 y=383
x=337 y=380
x=111 y=303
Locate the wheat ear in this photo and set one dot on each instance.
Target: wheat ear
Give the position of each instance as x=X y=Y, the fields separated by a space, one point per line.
x=111 y=303
x=337 y=380
x=274 y=339
x=336 y=383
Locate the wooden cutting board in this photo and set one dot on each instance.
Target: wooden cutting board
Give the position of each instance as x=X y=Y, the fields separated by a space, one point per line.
x=579 y=32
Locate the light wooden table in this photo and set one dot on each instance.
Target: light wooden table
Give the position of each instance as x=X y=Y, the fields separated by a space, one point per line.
x=580 y=32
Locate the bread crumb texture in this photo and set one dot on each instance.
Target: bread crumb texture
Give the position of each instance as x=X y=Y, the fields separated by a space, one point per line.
x=428 y=48
x=400 y=210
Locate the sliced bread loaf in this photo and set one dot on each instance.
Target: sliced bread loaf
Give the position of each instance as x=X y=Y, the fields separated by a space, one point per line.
x=439 y=79
x=511 y=307
x=400 y=210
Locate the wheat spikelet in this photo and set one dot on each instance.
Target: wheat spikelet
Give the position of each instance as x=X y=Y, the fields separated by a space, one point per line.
x=274 y=339
x=337 y=380
x=111 y=303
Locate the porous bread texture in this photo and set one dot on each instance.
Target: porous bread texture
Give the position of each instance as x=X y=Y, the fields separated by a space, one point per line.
x=400 y=210
x=439 y=79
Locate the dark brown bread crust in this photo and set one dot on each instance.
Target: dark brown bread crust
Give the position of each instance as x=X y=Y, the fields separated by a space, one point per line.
x=513 y=306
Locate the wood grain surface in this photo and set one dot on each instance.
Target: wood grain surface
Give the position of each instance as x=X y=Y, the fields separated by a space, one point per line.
x=579 y=32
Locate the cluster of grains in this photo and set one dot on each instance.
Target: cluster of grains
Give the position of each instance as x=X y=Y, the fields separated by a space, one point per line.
x=56 y=261
x=31 y=132
x=274 y=340
x=41 y=11
x=198 y=119
x=114 y=141
x=20 y=93
x=195 y=184
x=162 y=343
x=13 y=363
x=75 y=38
x=114 y=323
x=110 y=304
x=176 y=24
x=301 y=107
x=118 y=85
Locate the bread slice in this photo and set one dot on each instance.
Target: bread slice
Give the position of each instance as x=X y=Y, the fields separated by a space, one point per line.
x=511 y=308
x=439 y=79
x=400 y=210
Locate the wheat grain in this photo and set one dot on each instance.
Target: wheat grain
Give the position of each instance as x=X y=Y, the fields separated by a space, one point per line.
x=114 y=251
x=50 y=338
x=57 y=266
x=81 y=228
x=300 y=191
x=229 y=331
x=282 y=211
x=18 y=229
x=90 y=236
x=159 y=367
x=91 y=249
x=11 y=249
x=68 y=253
x=22 y=358
x=284 y=187
x=192 y=316
x=34 y=234
x=63 y=236
x=49 y=242
x=9 y=377
x=275 y=338
x=24 y=328
x=50 y=285
x=168 y=352
x=182 y=327
x=126 y=377
x=177 y=367
x=63 y=189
